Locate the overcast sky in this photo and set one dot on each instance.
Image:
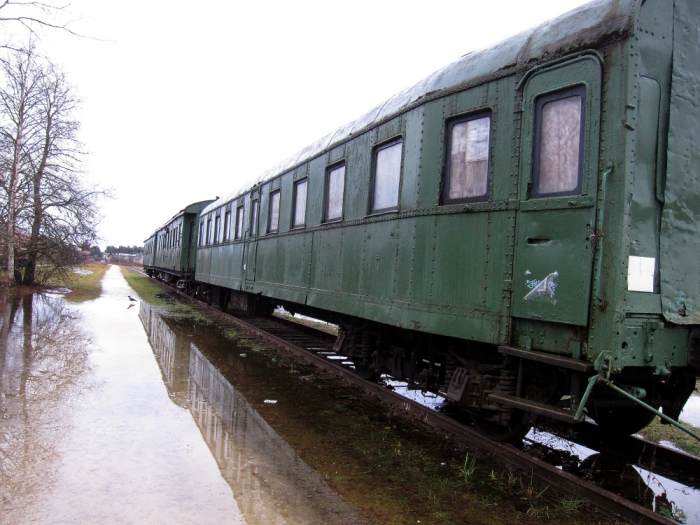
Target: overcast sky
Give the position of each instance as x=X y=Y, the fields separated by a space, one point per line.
x=184 y=101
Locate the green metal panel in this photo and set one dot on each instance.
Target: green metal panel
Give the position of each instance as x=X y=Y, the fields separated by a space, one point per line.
x=424 y=231
x=379 y=259
x=298 y=249
x=405 y=267
x=350 y=259
x=552 y=250
x=204 y=257
x=357 y=171
x=680 y=249
x=227 y=265
x=326 y=265
x=412 y=154
x=460 y=258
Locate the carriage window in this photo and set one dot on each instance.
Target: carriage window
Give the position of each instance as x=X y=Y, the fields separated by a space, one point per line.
x=217 y=228
x=335 y=187
x=254 y=219
x=387 y=177
x=209 y=231
x=300 y=203
x=227 y=226
x=201 y=233
x=558 y=162
x=274 y=223
x=239 y=222
x=468 y=161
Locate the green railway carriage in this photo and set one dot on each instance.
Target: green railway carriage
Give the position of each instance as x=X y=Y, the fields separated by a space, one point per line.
x=170 y=253
x=149 y=253
x=516 y=224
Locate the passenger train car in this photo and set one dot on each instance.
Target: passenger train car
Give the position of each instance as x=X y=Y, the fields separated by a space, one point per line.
x=517 y=232
x=170 y=253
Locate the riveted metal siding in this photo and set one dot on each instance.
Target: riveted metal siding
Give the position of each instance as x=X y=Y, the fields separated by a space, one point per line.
x=680 y=249
x=351 y=259
x=402 y=290
x=425 y=232
x=204 y=258
x=226 y=265
x=326 y=265
x=379 y=259
x=459 y=271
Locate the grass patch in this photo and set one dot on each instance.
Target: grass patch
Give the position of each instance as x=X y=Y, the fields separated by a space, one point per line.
x=148 y=290
x=657 y=433
x=86 y=287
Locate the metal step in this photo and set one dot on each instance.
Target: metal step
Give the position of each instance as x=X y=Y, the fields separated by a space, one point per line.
x=577 y=365
x=533 y=406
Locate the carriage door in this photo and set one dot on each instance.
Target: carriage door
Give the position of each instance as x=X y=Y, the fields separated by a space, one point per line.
x=251 y=241
x=556 y=217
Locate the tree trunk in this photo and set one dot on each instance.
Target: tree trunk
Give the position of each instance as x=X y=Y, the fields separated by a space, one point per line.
x=37 y=208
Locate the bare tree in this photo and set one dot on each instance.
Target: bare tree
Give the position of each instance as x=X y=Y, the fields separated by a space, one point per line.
x=32 y=14
x=18 y=99
x=50 y=211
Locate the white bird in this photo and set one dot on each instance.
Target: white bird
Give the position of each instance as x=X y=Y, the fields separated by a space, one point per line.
x=131 y=299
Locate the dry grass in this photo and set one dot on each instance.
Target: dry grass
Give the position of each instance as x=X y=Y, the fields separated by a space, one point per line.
x=657 y=433
x=86 y=287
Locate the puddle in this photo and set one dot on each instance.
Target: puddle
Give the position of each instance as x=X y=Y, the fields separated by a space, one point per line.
x=44 y=358
x=270 y=482
x=106 y=445
x=99 y=425
x=647 y=488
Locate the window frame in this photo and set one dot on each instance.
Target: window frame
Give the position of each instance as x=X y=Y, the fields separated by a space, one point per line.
x=540 y=102
x=208 y=230
x=326 y=199
x=375 y=155
x=217 y=229
x=227 y=225
x=297 y=183
x=271 y=196
x=238 y=233
x=450 y=124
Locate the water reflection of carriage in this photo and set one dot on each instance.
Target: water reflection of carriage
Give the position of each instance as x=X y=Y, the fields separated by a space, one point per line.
x=270 y=482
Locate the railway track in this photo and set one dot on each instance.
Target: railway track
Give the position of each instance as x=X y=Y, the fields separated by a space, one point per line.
x=316 y=347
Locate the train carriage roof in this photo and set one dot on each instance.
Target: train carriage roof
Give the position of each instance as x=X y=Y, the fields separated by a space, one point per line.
x=195 y=207
x=590 y=25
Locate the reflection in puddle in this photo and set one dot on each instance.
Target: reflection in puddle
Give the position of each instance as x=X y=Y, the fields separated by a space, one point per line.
x=647 y=488
x=270 y=483
x=88 y=434
x=43 y=359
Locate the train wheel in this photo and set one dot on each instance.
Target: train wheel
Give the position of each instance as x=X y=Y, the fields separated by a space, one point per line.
x=622 y=421
x=520 y=425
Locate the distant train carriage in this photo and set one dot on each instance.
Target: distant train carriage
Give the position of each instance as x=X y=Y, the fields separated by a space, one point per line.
x=507 y=232
x=170 y=253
